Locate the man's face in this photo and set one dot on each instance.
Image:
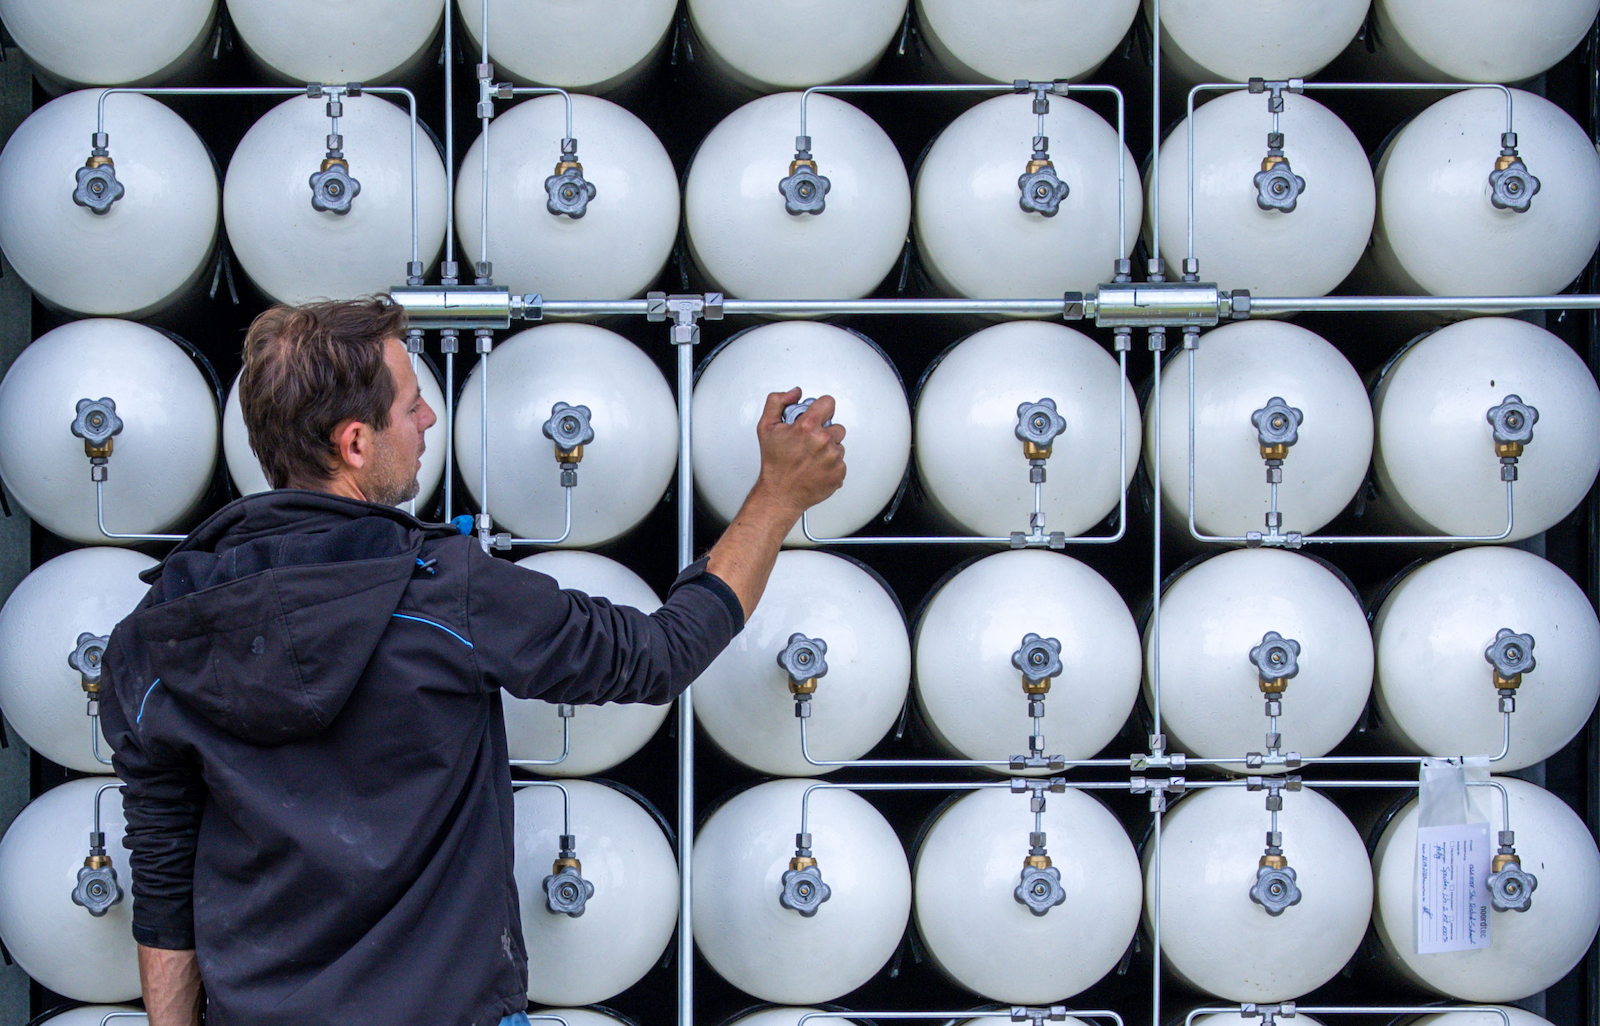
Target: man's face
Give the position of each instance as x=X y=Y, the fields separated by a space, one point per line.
x=391 y=477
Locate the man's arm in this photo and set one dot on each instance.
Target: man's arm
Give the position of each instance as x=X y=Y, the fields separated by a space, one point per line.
x=537 y=641
x=173 y=995
x=801 y=464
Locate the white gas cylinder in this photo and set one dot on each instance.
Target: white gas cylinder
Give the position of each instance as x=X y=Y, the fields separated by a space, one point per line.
x=615 y=246
x=86 y=42
x=55 y=941
x=974 y=235
x=1240 y=369
x=1438 y=231
x=790 y=44
x=740 y=231
x=1237 y=40
x=821 y=360
x=1435 y=686
x=623 y=924
x=625 y=467
x=1528 y=951
x=743 y=698
x=153 y=241
x=1220 y=940
x=1518 y=1017
x=295 y=252
x=783 y=1015
x=741 y=857
x=602 y=735
x=1214 y=619
x=969 y=457
x=80 y=594
x=969 y=872
x=1478 y=41
x=596 y=46
x=94 y=1015
x=1435 y=461
x=1006 y=40
x=975 y=626
x=249 y=478
x=1241 y=244
x=369 y=41
x=162 y=459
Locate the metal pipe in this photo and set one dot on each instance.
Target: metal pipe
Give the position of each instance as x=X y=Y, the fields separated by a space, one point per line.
x=1155 y=527
x=1155 y=167
x=1421 y=304
x=336 y=90
x=686 y=700
x=1360 y=1010
x=100 y=520
x=1001 y=1013
x=965 y=785
x=548 y=91
x=449 y=432
x=783 y=307
x=566 y=749
x=94 y=740
x=1304 y=86
x=566 y=531
x=566 y=798
x=1033 y=540
x=1275 y=539
x=102 y=789
x=449 y=175
x=805 y=751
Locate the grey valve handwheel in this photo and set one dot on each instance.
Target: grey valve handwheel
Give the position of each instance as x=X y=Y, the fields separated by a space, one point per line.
x=1511 y=889
x=1511 y=653
x=804 y=658
x=97 y=188
x=97 y=890
x=1277 y=657
x=803 y=891
x=89 y=656
x=568 y=426
x=1038 y=659
x=1279 y=188
x=1512 y=421
x=1277 y=423
x=333 y=190
x=1275 y=889
x=567 y=893
x=97 y=420
x=1040 y=889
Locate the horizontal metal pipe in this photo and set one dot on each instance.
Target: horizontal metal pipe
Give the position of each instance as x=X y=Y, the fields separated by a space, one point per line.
x=1419 y=304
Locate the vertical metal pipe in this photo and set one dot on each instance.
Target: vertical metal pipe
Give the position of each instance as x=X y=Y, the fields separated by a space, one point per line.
x=1155 y=557
x=1155 y=130
x=449 y=430
x=449 y=155
x=685 y=701
x=1155 y=916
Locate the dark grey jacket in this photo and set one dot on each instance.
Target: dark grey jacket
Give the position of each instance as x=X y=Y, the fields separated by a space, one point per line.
x=304 y=713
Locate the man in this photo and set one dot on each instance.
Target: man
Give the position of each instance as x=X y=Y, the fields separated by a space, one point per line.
x=304 y=709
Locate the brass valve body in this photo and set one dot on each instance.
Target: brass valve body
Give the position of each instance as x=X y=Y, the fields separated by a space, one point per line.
x=795 y=165
x=1036 y=687
x=1502 y=861
x=800 y=862
x=1274 y=862
x=331 y=161
x=1272 y=161
x=1510 y=683
x=1503 y=161
x=1036 y=862
x=803 y=687
x=97 y=861
x=559 y=864
x=1034 y=451
x=99 y=162
x=1274 y=686
x=563 y=166
x=1039 y=165
x=98 y=451
x=1274 y=452
x=1508 y=450
x=575 y=455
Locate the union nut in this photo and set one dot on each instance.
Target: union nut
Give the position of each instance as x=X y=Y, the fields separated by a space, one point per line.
x=802 y=888
x=566 y=892
x=1040 y=888
x=97 y=888
x=1275 y=888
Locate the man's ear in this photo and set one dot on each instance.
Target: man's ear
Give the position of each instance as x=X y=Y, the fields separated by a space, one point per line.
x=352 y=440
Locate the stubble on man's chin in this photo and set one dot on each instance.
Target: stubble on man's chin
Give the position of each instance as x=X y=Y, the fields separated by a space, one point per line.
x=398 y=483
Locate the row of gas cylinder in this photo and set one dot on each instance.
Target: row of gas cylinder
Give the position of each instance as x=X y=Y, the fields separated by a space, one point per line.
x=1430 y=665
x=1481 y=430
x=1467 y=199
x=769 y=47
x=791 y=866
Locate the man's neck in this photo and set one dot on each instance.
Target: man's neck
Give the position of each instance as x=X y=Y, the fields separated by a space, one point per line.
x=342 y=485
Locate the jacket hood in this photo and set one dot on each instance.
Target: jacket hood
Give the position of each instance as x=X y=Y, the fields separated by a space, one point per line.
x=264 y=618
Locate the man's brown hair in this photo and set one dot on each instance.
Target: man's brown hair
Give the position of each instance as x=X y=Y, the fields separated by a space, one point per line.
x=308 y=369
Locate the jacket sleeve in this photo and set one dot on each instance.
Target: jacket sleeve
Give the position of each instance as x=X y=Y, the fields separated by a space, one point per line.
x=536 y=640
x=163 y=797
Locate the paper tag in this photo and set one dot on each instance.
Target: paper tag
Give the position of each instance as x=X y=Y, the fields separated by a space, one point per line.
x=1452 y=900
